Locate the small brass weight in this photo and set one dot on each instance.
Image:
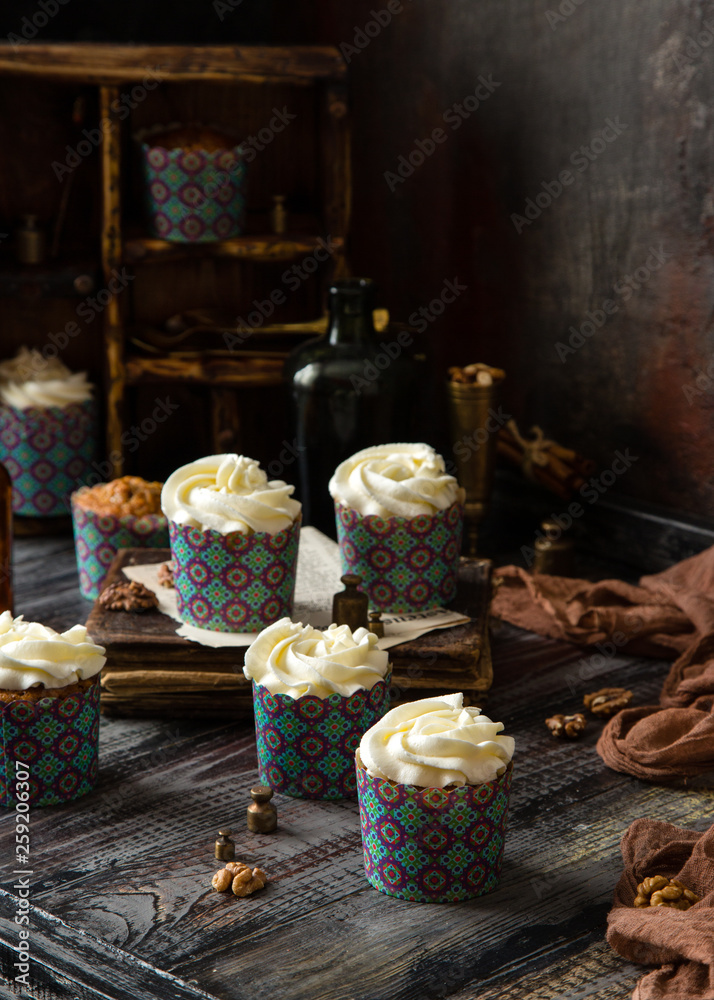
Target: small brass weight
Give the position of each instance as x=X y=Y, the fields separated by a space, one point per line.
x=349 y=606
x=225 y=848
x=261 y=814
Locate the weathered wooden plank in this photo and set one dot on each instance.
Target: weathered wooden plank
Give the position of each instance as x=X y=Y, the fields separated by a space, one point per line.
x=108 y=63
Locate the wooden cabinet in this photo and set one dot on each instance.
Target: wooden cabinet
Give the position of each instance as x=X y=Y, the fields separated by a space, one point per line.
x=270 y=284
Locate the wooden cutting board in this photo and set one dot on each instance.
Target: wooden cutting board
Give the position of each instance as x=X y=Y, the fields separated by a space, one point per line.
x=151 y=671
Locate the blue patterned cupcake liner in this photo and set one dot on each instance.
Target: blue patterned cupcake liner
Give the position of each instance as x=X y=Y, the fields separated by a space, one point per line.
x=430 y=845
x=236 y=582
x=306 y=746
x=57 y=738
x=48 y=452
x=406 y=564
x=98 y=537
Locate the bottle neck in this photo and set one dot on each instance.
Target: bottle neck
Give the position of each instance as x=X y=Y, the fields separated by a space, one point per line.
x=351 y=304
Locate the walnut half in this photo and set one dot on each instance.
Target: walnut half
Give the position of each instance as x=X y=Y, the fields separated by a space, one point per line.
x=128 y=596
x=607 y=701
x=566 y=726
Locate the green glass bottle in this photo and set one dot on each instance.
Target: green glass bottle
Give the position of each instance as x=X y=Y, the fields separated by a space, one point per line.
x=349 y=388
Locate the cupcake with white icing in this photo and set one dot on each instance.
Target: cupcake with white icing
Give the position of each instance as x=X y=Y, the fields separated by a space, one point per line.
x=48 y=427
x=399 y=523
x=434 y=778
x=234 y=541
x=314 y=694
x=49 y=702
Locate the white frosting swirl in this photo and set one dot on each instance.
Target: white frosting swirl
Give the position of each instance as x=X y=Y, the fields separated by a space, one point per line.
x=295 y=659
x=28 y=380
x=32 y=655
x=228 y=493
x=395 y=480
x=436 y=742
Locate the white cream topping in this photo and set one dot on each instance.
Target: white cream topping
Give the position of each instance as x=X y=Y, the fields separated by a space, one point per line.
x=32 y=654
x=436 y=742
x=395 y=480
x=28 y=380
x=228 y=493
x=295 y=659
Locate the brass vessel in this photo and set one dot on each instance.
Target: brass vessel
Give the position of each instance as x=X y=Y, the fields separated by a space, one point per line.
x=474 y=429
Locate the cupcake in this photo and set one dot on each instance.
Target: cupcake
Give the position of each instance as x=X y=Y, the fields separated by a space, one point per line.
x=49 y=700
x=399 y=523
x=434 y=779
x=234 y=543
x=314 y=695
x=122 y=514
x=48 y=425
x=194 y=184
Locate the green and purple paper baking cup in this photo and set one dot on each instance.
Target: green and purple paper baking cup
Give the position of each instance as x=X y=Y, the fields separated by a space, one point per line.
x=432 y=845
x=56 y=740
x=98 y=537
x=406 y=564
x=194 y=196
x=48 y=452
x=236 y=582
x=306 y=746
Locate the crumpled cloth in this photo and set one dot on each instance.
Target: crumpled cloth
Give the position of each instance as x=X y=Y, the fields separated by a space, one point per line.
x=667 y=615
x=680 y=941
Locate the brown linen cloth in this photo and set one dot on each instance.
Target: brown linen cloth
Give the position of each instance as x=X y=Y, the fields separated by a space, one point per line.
x=668 y=614
x=681 y=941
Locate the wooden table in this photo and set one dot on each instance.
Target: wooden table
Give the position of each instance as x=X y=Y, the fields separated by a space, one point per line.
x=121 y=899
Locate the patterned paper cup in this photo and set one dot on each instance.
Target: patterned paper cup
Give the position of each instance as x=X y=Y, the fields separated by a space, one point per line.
x=97 y=538
x=234 y=582
x=306 y=746
x=194 y=196
x=56 y=737
x=48 y=452
x=406 y=564
x=429 y=845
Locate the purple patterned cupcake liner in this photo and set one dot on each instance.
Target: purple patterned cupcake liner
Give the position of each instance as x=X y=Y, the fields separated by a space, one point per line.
x=194 y=196
x=306 y=746
x=98 y=537
x=57 y=739
x=48 y=452
x=236 y=582
x=429 y=845
x=406 y=564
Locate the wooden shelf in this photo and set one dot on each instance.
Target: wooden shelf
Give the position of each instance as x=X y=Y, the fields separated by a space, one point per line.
x=267 y=247
x=107 y=63
x=202 y=369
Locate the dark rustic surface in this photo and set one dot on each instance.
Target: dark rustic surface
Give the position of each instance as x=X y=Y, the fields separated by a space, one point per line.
x=121 y=901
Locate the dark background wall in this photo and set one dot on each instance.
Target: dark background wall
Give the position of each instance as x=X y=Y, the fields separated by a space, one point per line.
x=633 y=84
